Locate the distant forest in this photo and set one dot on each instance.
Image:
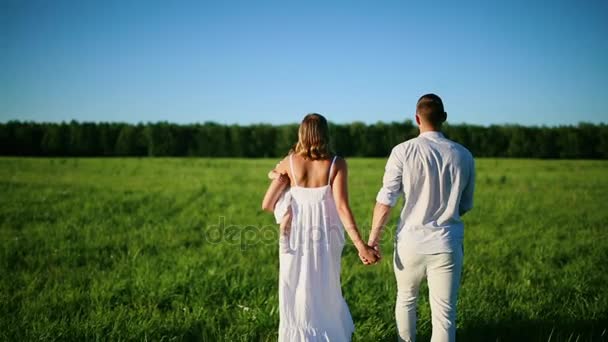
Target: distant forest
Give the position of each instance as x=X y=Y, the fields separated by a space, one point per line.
x=17 y=138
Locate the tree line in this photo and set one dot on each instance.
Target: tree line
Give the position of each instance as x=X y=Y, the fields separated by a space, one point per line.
x=17 y=138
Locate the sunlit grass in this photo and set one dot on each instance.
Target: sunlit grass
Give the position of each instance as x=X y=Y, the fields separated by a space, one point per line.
x=177 y=249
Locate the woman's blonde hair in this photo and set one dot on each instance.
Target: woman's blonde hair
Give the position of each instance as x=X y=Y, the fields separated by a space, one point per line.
x=313 y=138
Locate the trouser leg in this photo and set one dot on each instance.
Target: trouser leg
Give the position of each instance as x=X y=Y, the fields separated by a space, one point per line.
x=443 y=276
x=409 y=272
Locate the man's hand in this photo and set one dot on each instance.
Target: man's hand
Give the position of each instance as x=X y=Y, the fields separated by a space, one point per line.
x=379 y=219
x=376 y=247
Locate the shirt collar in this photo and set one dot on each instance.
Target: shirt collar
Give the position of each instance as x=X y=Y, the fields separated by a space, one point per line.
x=432 y=134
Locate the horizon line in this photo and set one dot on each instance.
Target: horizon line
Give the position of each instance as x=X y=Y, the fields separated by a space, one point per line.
x=261 y=123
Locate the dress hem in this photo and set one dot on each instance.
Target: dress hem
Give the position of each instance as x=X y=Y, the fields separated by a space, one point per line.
x=289 y=334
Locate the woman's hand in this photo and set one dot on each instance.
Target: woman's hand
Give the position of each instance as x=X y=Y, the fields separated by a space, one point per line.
x=282 y=177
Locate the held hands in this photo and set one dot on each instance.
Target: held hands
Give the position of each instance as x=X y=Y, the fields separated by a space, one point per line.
x=376 y=247
x=369 y=255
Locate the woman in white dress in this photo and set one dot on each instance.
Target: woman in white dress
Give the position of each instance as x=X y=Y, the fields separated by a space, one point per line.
x=310 y=295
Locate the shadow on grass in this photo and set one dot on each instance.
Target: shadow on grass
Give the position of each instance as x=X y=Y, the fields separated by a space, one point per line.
x=504 y=331
x=530 y=330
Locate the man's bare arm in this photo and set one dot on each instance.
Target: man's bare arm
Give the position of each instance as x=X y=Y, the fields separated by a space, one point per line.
x=379 y=219
x=392 y=188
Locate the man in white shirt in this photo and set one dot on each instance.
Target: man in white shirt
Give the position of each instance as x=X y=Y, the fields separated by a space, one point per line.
x=437 y=177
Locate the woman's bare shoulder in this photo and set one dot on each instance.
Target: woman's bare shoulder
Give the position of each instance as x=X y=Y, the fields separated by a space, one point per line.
x=340 y=163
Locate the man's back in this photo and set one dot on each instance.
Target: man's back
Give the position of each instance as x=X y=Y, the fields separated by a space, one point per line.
x=437 y=177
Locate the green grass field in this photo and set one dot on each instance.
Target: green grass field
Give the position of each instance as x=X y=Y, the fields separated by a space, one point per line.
x=178 y=249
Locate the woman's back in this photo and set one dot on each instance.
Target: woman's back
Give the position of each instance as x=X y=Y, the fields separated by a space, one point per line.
x=308 y=173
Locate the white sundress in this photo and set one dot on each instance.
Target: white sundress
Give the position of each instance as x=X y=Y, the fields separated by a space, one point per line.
x=311 y=305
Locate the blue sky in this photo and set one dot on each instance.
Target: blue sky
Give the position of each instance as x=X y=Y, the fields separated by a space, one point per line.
x=525 y=62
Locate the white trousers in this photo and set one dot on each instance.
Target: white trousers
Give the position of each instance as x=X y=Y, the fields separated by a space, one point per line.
x=443 y=276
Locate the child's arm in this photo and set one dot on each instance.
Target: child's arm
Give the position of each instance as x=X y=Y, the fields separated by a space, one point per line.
x=273 y=174
x=274 y=192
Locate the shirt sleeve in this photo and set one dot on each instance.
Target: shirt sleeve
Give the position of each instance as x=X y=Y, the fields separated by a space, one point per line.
x=466 y=200
x=392 y=186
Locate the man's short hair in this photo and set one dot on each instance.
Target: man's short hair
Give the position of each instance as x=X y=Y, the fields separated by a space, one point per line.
x=430 y=108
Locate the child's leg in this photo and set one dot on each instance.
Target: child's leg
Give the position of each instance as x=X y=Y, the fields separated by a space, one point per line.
x=285 y=225
x=284 y=230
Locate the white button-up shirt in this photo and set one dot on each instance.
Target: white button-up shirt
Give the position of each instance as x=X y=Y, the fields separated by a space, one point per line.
x=437 y=177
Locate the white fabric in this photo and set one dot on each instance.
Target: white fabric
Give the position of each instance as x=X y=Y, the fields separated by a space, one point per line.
x=311 y=305
x=443 y=272
x=282 y=205
x=437 y=177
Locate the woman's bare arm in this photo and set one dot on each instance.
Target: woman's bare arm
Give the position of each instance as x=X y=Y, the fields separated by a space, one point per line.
x=276 y=187
x=340 y=192
x=274 y=192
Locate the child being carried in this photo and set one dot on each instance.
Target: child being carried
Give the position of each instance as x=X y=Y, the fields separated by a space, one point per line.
x=280 y=204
